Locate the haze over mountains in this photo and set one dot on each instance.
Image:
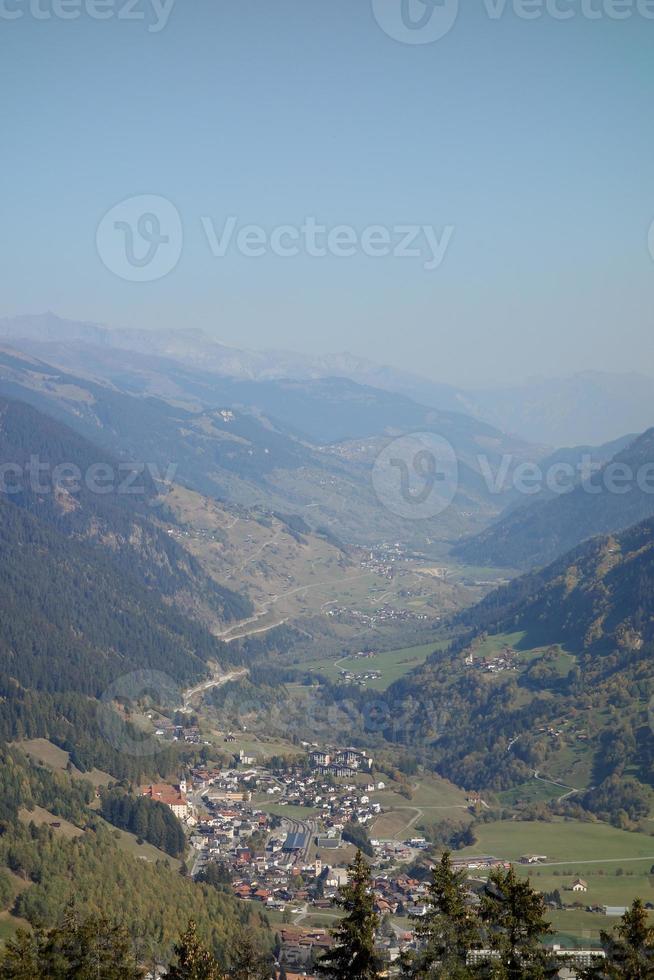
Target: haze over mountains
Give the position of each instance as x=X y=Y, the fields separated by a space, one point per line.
x=327 y=490
x=300 y=435
x=589 y=407
x=261 y=568
x=304 y=446
x=536 y=533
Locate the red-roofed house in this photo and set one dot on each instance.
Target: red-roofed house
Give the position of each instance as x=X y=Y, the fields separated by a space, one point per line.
x=171 y=796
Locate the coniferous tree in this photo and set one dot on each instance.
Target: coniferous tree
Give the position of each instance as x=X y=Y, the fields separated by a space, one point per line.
x=513 y=914
x=629 y=949
x=247 y=961
x=353 y=956
x=194 y=961
x=448 y=930
x=21 y=959
x=89 y=948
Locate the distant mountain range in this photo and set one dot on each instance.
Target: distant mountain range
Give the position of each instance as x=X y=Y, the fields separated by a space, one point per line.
x=303 y=447
x=620 y=494
x=589 y=407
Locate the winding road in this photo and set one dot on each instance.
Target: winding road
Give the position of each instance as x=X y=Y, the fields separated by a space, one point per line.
x=216 y=680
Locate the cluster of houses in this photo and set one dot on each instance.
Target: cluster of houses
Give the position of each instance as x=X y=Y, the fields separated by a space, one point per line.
x=337 y=803
x=553 y=733
x=493 y=665
x=351 y=677
x=235 y=835
x=303 y=867
x=178 y=733
x=342 y=763
x=377 y=565
x=384 y=614
x=301 y=947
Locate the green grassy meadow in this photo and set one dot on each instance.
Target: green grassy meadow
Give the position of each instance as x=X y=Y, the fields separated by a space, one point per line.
x=393 y=665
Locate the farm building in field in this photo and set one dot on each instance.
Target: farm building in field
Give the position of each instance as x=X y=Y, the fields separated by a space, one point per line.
x=533 y=858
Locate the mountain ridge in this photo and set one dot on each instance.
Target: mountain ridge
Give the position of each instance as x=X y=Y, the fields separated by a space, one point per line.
x=534 y=535
x=586 y=407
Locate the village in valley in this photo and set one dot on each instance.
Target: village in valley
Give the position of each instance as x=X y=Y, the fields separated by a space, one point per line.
x=243 y=824
x=280 y=833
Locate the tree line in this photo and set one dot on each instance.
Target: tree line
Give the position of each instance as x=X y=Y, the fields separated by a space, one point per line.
x=498 y=938
x=148 y=819
x=96 y=947
x=499 y=935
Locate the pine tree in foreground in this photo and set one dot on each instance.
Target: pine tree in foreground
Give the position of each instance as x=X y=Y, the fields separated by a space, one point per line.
x=247 y=961
x=21 y=959
x=194 y=961
x=448 y=930
x=353 y=955
x=629 y=949
x=513 y=915
x=81 y=948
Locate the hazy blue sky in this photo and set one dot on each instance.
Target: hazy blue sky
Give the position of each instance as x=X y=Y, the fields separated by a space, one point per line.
x=532 y=139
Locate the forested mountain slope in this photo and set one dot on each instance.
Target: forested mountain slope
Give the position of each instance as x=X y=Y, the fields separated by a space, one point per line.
x=86 y=493
x=91 y=872
x=577 y=643
x=610 y=501
x=72 y=621
x=91 y=589
x=597 y=597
